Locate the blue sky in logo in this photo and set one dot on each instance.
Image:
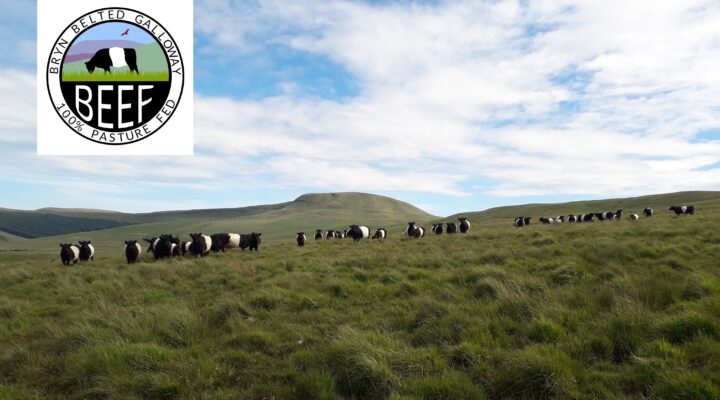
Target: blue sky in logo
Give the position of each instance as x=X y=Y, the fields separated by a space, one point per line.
x=452 y=106
x=114 y=31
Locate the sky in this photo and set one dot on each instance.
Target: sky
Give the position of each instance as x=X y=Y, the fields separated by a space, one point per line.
x=113 y=31
x=450 y=105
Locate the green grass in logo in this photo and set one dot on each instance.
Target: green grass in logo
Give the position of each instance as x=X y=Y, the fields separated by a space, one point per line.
x=151 y=62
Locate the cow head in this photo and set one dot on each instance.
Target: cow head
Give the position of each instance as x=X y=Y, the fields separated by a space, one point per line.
x=90 y=66
x=131 y=242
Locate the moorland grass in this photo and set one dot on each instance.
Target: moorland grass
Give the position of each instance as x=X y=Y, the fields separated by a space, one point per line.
x=598 y=311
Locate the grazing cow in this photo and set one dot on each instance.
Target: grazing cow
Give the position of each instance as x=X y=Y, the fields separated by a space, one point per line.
x=219 y=241
x=587 y=217
x=648 y=212
x=69 y=253
x=318 y=234
x=380 y=233
x=572 y=218
x=114 y=57
x=618 y=214
x=415 y=231
x=200 y=245
x=301 y=239
x=87 y=251
x=522 y=221
x=330 y=234
x=546 y=220
x=152 y=242
x=358 y=232
x=451 y=227
x=438 y=229
x=634 y=217
x=132 y=251
x=683 y=210
x=464 y=225
x=233 y=241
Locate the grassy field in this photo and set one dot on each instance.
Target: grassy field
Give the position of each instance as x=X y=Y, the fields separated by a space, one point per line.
x=613 y=310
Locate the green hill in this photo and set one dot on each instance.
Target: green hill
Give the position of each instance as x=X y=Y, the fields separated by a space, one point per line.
x=151 y=63
x=277 y=221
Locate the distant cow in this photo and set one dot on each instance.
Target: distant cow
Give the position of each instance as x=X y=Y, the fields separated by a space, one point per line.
x=318 y=234
x=522 y=221
x=560 y=219
x=358 y=232
x=618 y=214
x=301 y=239
x=330 y=234
x=114 y=57
x=683 y=210
x=200 y=245
x=546 y=220
x=414 y=230
x=438 y=229
x=69 y=253
x=588 y=217
x=451 y=228
x=251 y=241
x=648 y=212
x=380 y=233
x=464 y=225
x=132 y=251
x=219 y=241
x=185 y=248
x=634 y=217
x=340 y=235
x=572 y=218
x=87 y=251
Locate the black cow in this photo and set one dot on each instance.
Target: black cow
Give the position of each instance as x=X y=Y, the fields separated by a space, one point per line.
x=200 y=245
x=522 y=221
x=69 y=253
x=683 y=210
x=132 y=251
x=438 y=229
x=588 y=217
x=415 y=231
x=115 y=57
x=87 y=251
x=648 y=212
x=380 y=233
x=255 y=241
x=464 y=225
x=618 y=214
x=358 y=232
x=451 y=228
x=318 y=234
x=164 y=247
x=219 y=242
x=301 y=239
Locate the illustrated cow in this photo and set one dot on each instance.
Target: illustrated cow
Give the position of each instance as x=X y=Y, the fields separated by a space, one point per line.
x=115 y=57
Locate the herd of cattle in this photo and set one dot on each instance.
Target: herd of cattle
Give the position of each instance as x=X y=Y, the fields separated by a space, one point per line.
x=600 y=216
x=167 y=246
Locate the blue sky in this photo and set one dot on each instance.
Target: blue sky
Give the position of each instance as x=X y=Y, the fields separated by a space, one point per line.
x=450 y=105
x=113 y=31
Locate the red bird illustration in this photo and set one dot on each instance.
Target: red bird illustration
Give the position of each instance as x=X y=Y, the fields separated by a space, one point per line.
x=126 y=32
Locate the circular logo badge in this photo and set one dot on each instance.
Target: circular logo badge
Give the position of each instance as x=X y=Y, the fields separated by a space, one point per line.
x=115 y=76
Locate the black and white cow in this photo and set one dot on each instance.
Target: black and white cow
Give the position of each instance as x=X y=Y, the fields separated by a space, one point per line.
x=185 y=248
x=587 y=217
x=301 y=238
x=648 y=212
x=164 y=247
x=330 y=234
x=132 y=251
x=415 y=231
x=437 y=228
x=380 y=233
x=522 y=221
x=683 y=210
x=87 y=251
x=151 y=244
x=634 y=217
x=464 y=225
x=69 y=253
x=115 y=57
x=572 y=218
x=358 y=232
x=618 y=214
x=546 y=220
x=318 y=234
x=233 y=241
x=219 y=241
x=175 y=246
x=451 y=228
x=200 y=245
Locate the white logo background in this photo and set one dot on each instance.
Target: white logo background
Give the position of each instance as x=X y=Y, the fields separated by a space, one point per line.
x=54 y=137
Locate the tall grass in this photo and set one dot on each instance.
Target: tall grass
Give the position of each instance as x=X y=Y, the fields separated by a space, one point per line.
x=601 y=311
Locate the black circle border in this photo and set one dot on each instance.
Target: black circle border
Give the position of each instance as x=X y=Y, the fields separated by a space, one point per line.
x=182 y=64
